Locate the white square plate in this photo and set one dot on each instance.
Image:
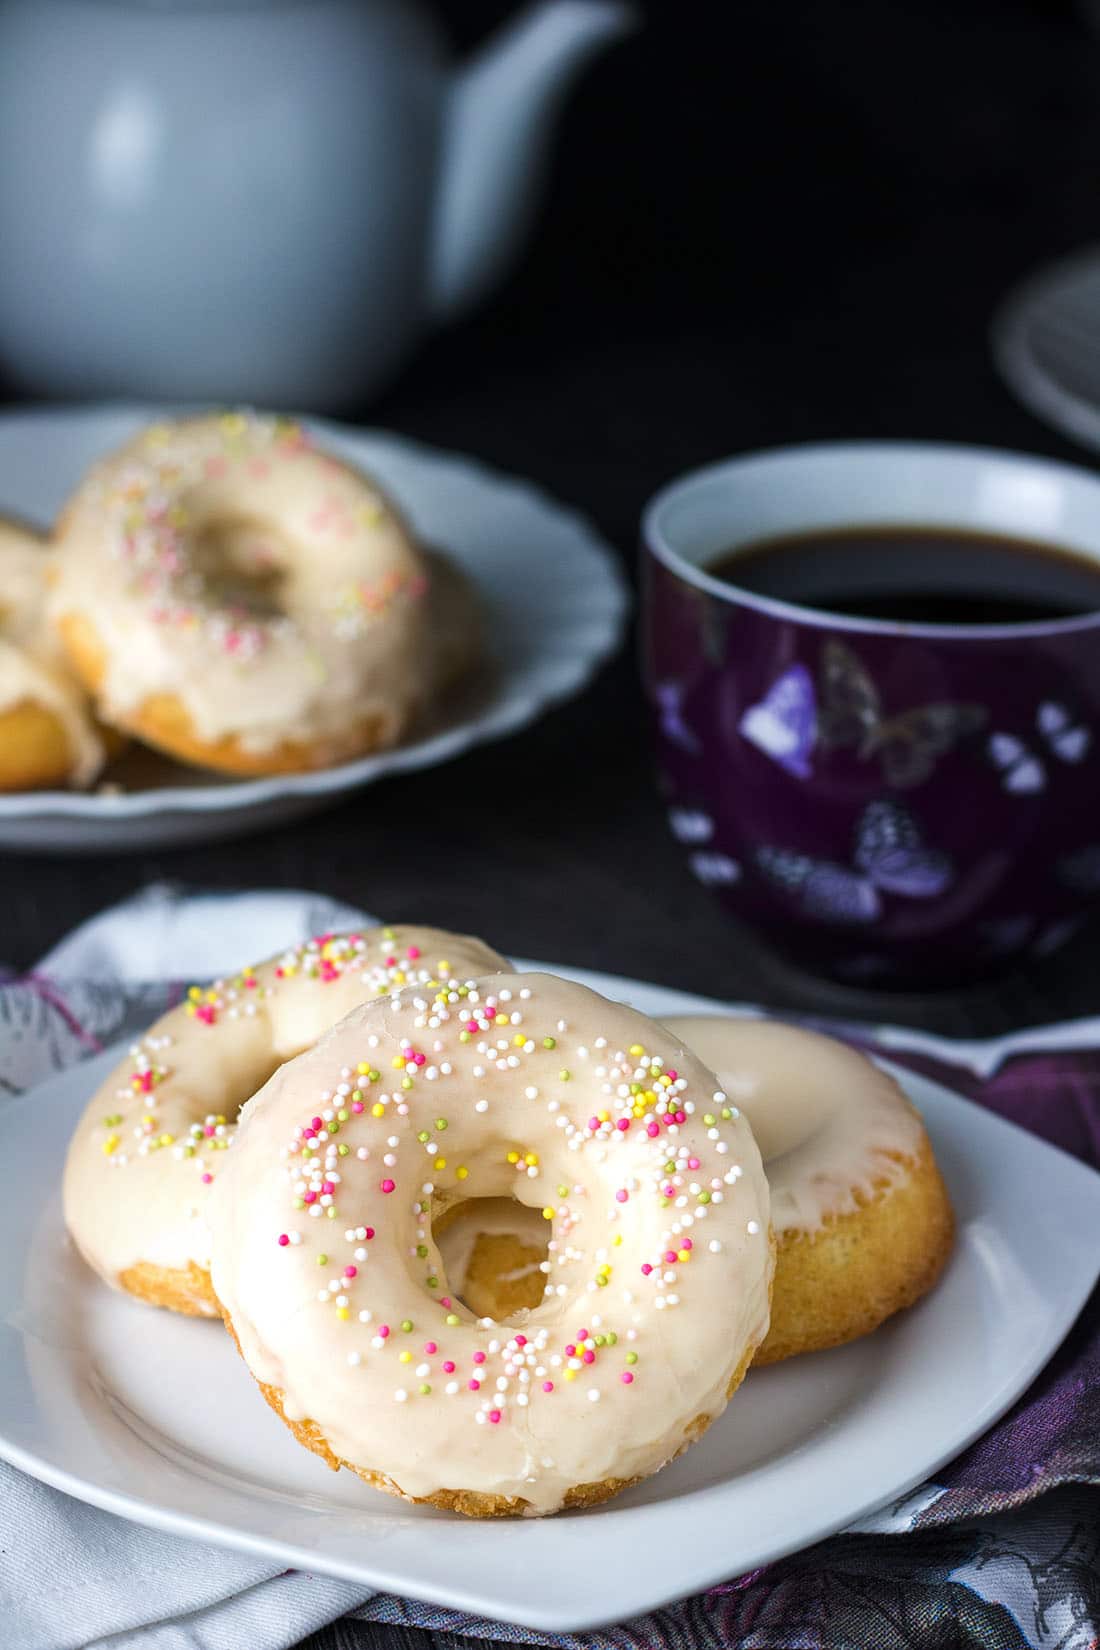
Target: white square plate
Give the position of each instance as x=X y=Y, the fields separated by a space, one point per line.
x=156 y=1418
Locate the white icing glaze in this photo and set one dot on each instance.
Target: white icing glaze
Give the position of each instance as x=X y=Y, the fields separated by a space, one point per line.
x=831 y=1126
x=31 y=666
x=149 y=1145
x=507 y=1101
x=270 y=588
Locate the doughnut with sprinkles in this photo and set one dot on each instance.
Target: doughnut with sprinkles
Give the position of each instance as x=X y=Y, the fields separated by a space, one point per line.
x=151 y=1144
x=524 y=1086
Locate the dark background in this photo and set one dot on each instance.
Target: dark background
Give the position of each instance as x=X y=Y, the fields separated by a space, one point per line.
x=766 y=222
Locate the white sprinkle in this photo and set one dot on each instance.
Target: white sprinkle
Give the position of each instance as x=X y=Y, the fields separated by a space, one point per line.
x=593 y=1395
x=354 y=1359
x=400 y=1395
x=753 y=1227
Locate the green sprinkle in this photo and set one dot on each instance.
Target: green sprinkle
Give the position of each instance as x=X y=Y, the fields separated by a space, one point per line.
x=451 y=1319
x=422 y=1251
x=406 y=1324
x=423 y=1137
x=704 y=1197
x=424 y=1389
x=632 y=1357
x=708 y=1119
x=564 y=1075
x=612 y=1338
x=549 y=1042
x=342 y=1151
x=322 y=1260
x=433 y=1283
x=441 y=1124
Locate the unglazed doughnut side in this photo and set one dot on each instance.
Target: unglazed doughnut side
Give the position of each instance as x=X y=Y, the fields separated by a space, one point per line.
x=861 y=1214
x=325 y=1263
x=47 y=736
x=242 y=599
x=837 y=1284
x=151 y=1142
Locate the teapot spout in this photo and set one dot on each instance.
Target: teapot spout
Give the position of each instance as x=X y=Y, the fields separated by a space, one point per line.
x=498 y=125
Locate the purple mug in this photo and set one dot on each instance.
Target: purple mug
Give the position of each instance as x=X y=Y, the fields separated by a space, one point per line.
x=888 y=803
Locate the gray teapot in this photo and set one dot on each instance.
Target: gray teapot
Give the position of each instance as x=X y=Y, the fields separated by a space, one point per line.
x=262 y=200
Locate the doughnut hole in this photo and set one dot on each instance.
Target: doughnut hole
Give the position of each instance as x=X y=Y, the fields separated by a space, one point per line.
x=244 y=565
x=494 y=1252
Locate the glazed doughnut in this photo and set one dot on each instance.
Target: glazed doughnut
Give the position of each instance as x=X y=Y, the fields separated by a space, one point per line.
x=47 y=736
x=242 y=600
x=860 y=1212
x=861 y=1215
x=533 y=1087
x=151 y=1141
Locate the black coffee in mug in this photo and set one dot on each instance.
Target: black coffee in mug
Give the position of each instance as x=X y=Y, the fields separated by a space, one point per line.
x=916 y=575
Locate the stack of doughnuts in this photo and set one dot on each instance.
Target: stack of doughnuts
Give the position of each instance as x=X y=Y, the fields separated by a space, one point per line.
x=485 y=1238
x=225 y=591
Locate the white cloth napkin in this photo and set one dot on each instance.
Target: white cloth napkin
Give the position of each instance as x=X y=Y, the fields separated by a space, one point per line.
x=72 y=1577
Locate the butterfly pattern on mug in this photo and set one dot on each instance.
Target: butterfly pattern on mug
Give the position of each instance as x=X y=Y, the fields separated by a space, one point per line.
x=690 y=824
x=1022 y=766
x=889 y=857
x=908 y=744
x=784 y=723
x=670 y=699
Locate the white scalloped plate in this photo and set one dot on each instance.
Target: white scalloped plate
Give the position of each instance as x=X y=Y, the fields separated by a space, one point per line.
x=155 y=1417
x=553 y=593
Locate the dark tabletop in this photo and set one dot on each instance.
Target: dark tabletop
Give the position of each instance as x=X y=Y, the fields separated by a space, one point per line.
x=796 y=228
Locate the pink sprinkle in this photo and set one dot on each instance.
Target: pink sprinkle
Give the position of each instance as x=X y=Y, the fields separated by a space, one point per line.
x=317 y=1123
x=626 y=1377
x=420 y=1059
x=444 y=1300
x=283 y=1240
x=369 y=1231
x=548 y=1386
x=327 y=1187
x=593 y=1123
x=687 y=1244
x=653 y=1130
x=309 y=1134
x=582 y=1334
x=357 y=1106
x=205 y=1013
x=623 y=1124
x=209 y=1131
x=494 y=1416
x=622 y=1196
x=391 y=962
x=430 y=1347
x=473 y=1386
x=490 y=1013
x=681 y=1117
x=388 y=1185
x=570 y=1351
x=206 y=1179
x=672 y=1075
x=414 y=952
x=646 y=1269
x=309 y=1197
x=479 y=1357
x=383 y=1330
x=693 y=1162
x=471 y=1025
x=521 y=1340
x=329 y=970
x=670 y=1257
x=448 y=1366
x=251 y=984
x=589 y=1357
x=351 y=1271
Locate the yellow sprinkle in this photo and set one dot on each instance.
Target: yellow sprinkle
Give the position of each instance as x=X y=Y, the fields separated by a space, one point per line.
x=531 y=1160
x=443 y=966
x=548 y=1213
x=513 y=1157
x=110 y=1144
x=405 y=1357
x=194 y=993
x=398 y=1062
x=362 y=1068
x=167 y=1139
x=460 y=1174
x=684 y=1254
x=440 y=1163
x=616 y=1240
x=378 y=1109
x=518 y=1040
x=343 y=1312
x=636 y=1049
x=570 y=1374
